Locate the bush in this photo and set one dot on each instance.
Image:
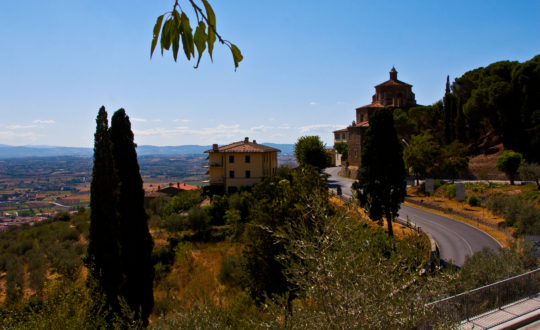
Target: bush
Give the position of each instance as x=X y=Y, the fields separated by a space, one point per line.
x=182 y=202
x=529 y=219
x=488 y=266
x=231 y=272
x=174 y=222
x=473 y=200
x=198 y=219
x=521 y=214
x=450 y=191
x=495 y=203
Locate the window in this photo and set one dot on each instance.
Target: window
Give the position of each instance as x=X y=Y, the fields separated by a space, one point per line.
x=248 y=174
x=231 y=159
x=248 y=159
x=231 y=174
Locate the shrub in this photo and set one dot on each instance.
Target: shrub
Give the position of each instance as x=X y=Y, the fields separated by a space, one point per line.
x=529 y=219
x=450 y=191
x=174 y=222
x=473 y=200
x=522 y=214
x=495 y=203
x=231 y=272
x=182 y=202
x=488 y=266
x=198 y=219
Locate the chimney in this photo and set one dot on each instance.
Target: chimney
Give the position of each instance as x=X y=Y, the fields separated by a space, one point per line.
x=158 y=188
x=254 y=141
x=246 y=140
x=215 y=147
x=178 y=185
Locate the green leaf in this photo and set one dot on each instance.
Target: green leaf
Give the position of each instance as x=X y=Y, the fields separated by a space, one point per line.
x=166 y=35
x=211 y=27
x=187 y=36
x=175 y=46
x=200 y=38
x=155 y=36
x=175 y=33
x=237 y=55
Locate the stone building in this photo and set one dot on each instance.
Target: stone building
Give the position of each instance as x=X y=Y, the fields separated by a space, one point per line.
x=392 y=94
x=240 y=164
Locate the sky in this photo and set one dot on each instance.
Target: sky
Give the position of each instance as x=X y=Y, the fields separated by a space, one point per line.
x=307 y=65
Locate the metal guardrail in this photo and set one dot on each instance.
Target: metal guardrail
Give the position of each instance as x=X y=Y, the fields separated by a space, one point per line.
x=490 y=297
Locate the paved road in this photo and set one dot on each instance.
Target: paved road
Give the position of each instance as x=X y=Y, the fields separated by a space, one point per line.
x=455 y=239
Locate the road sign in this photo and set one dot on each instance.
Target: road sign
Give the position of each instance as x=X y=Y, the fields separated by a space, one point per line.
x=460 y=192
x=430 y=185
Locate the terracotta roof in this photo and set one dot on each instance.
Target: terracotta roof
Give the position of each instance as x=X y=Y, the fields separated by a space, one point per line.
x=393 y=83
x=343 y=130
x=375 y=104
x=362 y=124
x=184 y=186
x=244 y=146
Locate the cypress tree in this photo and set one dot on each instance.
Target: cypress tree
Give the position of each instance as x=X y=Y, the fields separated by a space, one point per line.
x=381 y=186
x=103 y=259
x=135 y=240
x=449 y=114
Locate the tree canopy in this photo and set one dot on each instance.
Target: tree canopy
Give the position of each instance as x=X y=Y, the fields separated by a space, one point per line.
x=421 y=153
x=530 y=171
x=311 y=151
x=504 y=97
x=509 y=163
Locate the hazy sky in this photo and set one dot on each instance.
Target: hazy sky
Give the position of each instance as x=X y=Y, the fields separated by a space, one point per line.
x=307 y=65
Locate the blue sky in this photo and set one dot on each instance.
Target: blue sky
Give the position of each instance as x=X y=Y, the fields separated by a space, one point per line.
x=307 y=65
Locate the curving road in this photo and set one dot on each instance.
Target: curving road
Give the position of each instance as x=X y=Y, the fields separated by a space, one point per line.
x=456 y=240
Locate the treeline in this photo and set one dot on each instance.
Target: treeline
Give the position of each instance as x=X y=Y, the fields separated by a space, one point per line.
x=503 y=97
x=501 y=100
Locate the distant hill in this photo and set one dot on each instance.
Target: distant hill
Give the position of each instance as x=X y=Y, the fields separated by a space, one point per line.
x=7 y=151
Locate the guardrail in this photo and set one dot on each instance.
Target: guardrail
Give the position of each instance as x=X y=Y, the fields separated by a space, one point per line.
x=490 y=297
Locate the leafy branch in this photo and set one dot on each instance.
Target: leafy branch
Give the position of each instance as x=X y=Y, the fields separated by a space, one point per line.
x=177 y=27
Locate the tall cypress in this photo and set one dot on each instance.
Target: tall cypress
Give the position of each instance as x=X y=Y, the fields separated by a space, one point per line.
x=449 y=114
x=135 y=240
x=381 y=186
x=103 y=255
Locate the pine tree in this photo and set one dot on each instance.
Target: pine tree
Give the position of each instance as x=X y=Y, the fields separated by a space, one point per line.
x=103 y=259
x=135 y=240
x=381 y=186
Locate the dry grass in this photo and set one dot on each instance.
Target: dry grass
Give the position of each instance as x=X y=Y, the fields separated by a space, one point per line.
x=193 y=278
x=400 y=231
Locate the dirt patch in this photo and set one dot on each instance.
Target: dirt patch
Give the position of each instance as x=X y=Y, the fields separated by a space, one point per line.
x=483 y=166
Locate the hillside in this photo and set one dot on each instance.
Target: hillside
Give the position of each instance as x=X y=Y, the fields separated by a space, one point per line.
x=7 y=151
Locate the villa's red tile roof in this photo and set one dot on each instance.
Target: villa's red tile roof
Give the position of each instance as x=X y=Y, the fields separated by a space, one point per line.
x=243 y=146
x=343 y=130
